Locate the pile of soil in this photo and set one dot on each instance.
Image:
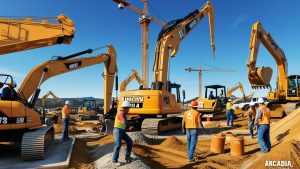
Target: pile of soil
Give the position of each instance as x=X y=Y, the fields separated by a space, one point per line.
x=87 y=150
x=78 y=127
x=58 y=129
x=171 y=142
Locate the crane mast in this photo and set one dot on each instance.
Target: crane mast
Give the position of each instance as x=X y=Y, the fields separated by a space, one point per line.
x=144 y=21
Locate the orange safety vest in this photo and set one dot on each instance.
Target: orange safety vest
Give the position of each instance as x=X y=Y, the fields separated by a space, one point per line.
x=65 y=112
x=191 y=119
x=119 y=124
x=265 y=117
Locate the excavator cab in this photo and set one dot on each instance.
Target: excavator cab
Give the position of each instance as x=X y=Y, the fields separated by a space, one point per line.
x=293 y=86
x=177 y=88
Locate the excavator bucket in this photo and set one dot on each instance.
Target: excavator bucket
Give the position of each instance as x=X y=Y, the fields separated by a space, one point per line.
x=261 y=77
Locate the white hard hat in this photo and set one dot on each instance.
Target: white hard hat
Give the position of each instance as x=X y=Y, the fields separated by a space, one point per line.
x=251 y=103
x=260 y=100
x=67 y=102
x=229 y=100
x=126 y=104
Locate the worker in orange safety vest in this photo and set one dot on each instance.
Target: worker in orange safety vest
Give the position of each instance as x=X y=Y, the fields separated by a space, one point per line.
x=120 y=126
x=65 y=121
x=262 y=120
x=190 y=124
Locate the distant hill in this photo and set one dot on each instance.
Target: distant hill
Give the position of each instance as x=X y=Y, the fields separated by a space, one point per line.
x=75 y=102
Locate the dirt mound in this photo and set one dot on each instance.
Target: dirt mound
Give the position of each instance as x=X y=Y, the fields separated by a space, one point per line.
x=286 y=129
x=288 y=151
x=171 y=142
x=58 y=129
x=89 y=149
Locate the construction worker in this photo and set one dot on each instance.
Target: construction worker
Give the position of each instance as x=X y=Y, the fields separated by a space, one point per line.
x=251 y=113
x=190 y=124
x=65 y=121
x=229 y=113
x=262 y=120
x=211 y=95
x=119 y=134
x=9 y=93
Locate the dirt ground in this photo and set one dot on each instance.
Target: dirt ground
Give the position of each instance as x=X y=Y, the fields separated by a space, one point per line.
x=172 y=151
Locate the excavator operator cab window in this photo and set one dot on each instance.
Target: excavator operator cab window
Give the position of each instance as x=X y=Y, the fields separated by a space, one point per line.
x=89 y=104
x=293 y=83
x=216 y=92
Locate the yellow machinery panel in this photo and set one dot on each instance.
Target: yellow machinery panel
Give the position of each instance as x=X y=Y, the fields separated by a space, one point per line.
x=150 y=102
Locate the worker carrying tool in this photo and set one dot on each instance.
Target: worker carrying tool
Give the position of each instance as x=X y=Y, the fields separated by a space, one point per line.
x=262 y=120
x=229 y=112
x=119 y=134
x=9 y=93
x=65 y=121
x=190 y=124
x=251 y=113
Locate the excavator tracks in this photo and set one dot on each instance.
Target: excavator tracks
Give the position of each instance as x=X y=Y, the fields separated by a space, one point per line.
x=35 y=143
x=291 y=106
x=157 y=126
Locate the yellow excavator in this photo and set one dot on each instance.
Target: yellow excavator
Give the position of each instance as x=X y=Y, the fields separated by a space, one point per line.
x=155 y=104
x=20 y=121
x=19 y=33
x=239 y=85
x=53 y=116
x=134 y=75
x=44 y=98
x=287 y=94
x=88 y=109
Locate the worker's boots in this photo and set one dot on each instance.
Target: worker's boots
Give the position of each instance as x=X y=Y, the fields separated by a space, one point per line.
x=128 y=159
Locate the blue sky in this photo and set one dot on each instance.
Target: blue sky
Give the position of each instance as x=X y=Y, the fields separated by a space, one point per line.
x=101 y=22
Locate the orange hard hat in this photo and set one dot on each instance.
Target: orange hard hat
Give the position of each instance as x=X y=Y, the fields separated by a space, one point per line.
x=194 y=103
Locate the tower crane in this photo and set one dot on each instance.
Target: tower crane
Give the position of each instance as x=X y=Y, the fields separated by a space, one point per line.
x=144 y=21
x=200 y=70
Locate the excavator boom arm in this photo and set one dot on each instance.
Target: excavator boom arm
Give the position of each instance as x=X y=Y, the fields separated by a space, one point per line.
x=172 y=35
x=134 y=75
x=234 y=88
x=261 y=76
x=51 y=68
x=25 y=34
x=47 y=95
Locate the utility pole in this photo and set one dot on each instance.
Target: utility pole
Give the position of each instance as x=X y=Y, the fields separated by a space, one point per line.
x=144 y=21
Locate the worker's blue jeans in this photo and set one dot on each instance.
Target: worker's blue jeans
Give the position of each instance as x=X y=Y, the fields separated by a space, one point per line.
x=192 y=139
x=229 y=117
x=263 y=135
x=65 y=133
x=250 y=127
x=119 y=135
